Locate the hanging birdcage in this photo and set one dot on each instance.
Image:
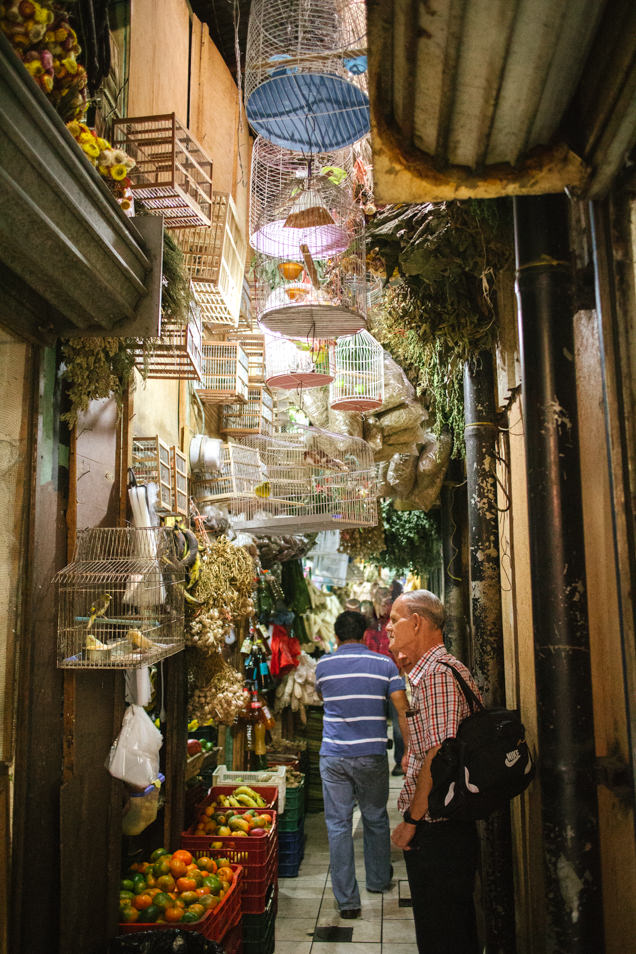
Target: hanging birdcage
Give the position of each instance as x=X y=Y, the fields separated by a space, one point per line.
x=151 y=465
x=295 y=364
x=254 y=417
x=239 y=472
x=176 y=353
x=215 y=260
x=311 y=480
x=172 y=174
x=225 y=371
x=120 y=602
x=179 y=474
x=358 y=383
x=254 y=347
x=305 y=73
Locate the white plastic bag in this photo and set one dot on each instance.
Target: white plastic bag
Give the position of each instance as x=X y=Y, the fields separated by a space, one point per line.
x=134 y=755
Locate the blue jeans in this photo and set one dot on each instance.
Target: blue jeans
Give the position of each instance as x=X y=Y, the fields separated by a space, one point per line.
x=364 y=778
x=398 y=741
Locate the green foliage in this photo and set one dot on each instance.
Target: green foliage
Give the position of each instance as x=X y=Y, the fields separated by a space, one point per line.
x=175 y=292
x=94 y=369
x=438 y=310
x=403 y=540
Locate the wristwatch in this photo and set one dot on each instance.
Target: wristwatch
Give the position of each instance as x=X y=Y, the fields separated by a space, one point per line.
x=411 y=821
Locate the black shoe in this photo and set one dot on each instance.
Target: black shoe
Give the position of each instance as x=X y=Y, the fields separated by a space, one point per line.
x=386 y=887
x=350 y=913
x=397 y=770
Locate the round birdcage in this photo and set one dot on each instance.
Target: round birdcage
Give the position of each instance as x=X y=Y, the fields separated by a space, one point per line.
x=295 y=364
x=306 y=73
x=358 y=383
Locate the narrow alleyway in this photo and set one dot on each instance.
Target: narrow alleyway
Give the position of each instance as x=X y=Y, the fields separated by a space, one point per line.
x=308 y=922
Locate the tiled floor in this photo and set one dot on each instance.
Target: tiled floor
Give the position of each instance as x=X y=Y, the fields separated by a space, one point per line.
x=306 y=903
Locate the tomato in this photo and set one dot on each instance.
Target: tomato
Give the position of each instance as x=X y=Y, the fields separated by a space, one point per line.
x=126 y=884
x=208 y=901
x=173 y=914
x=222 y=863
x=190 y=916
x=182 y=855
x=189 y=897
x=162 y=900
x=142 y=901
x=207 y=864
x=129 y=915
x=162 y=866
x=225 y=874
x=213 y=883
x=197 y=909
x=186 y=884
x=151 y=914
x=126 y=896
x=177 y=867
x=139 y=884
x=166 y=882
x=150 y=879
x=157 y=853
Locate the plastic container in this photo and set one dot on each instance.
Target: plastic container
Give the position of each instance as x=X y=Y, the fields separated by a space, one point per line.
x=259 y=930
x=268 y=792
x=258 y=880
x=291 y=851
x=274 y=776
x=214 y=925
x=254 y=848
x=143 y=808
x=294 y=812
x=233 y=940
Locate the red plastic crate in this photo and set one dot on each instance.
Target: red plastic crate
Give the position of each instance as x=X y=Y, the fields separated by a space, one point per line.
x=215 y=924
x=268 y=792
x=256 y=881
x=255 y=848
x=233 y=941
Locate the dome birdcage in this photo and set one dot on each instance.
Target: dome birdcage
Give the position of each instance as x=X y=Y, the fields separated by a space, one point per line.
x=297 y=364
x=358 y=383
x=306 y=73
x=311 y=480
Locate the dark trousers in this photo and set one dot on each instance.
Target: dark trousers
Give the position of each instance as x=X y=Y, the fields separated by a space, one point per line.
x=441 y=868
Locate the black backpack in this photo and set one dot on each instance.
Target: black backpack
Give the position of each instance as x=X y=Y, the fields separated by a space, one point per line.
x=484 y=766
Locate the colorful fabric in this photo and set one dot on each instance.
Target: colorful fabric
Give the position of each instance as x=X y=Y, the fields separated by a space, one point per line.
x=437 y=707
x=355 y=684
x=378 y=641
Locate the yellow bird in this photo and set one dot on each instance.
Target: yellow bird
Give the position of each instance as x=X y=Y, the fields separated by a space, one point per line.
x=98 y=608
x=263 y=490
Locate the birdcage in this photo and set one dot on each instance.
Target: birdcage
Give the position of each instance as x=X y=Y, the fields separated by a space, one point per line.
x=240 y=471
x=225 y=372
x=215 y=258
x=254 y=347
x=358 y=383
x=172 y=175
x=120 y=602
x=179 y=475
x=305 y=73
x=176 y=353
x=312 y=480
x=255 y=417
x=293 y=364
x=151 y=465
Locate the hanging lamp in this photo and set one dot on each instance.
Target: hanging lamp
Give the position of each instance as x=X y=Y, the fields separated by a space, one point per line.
x=305 y=73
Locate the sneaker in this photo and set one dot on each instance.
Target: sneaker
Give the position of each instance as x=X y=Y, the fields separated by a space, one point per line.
x=386 y=887
x=350 y=913
x=397 y=770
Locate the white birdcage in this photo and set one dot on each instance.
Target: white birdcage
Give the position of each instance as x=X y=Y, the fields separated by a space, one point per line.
x=358 y=383
x=254 y=347
x=179 y=475
x=224 y=373
x=254 y=417
x=311 y=480
x=305 y=73
x=120 y=602
x=294 y=364
x=151 y=464
x=240 y=471
x=176 y=353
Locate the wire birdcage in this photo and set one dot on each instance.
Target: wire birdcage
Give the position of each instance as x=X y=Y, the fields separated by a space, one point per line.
x=151 y=464
x=305 y=73
x=240 y=471
x=225 y=373
x=358 y=383
x=176 y=353
x=292 y=364
x=311 y=480
x=173 y=174
x=254 y=417
x=120 y=602
x=215 y=256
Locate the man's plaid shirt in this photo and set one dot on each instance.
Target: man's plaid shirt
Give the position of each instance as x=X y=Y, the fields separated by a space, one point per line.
x=437 y=707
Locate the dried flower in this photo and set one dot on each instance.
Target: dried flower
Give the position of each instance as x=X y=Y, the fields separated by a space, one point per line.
x=118 y=172
x=91 y=149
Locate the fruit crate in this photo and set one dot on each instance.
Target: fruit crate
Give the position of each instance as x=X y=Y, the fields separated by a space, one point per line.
x=268 y=792
x=258 y=879
x=294 y=808
x=291 y=851
x=274 y=776
x=259 y=930
x=214 y=925
x=255 y=848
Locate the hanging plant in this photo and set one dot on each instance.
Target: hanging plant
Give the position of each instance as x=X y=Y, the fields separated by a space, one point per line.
x=403 y=540
x=438 y=310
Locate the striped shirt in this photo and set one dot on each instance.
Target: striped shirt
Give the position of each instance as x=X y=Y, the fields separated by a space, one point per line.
x=355 y=684
x=437 y=707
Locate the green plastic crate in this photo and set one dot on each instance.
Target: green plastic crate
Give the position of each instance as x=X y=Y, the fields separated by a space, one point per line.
x=294 y=808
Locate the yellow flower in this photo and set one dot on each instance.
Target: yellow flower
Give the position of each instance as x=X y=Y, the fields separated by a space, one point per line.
x=91 y=149
x=125 y=204
x=35 y=68
x=119 y=172
x=103 y=171
x=74 y=128
x=70 y=64
x=103 y=143
x=42 y=15
x=46 y=82
x=87 y=136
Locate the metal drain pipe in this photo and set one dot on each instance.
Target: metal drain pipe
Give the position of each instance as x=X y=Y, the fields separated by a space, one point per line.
x=487 y=645
x=561 y=636
x=453 y=520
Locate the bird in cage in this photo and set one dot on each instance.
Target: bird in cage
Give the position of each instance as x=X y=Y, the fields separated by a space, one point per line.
x=98 y=608
x=263 y=490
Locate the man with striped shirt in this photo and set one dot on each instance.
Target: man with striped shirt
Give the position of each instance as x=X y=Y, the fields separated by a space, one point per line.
x=356 y=684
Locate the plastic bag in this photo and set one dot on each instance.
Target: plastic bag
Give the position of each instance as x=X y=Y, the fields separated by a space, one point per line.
x=142 y=808
x=167 y=941
x=134 y=755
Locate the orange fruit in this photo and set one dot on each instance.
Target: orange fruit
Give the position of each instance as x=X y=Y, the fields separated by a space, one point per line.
x=207 y=864
x=177 y=867
x=197 y=909
x=166 y=883
x=142 y=901
x=225 y=874
x=203 y=891
x=129 y=915
x=173 y=914
x=182 y=855
x=209 y=811
x=186 y=884
x=189 y=897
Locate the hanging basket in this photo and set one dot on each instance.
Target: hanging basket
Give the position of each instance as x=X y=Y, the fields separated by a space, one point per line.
x=254 y=417
x=290 y=365
x=305 y=73
x=358 y=383
x=172 y=175
x=225 y=373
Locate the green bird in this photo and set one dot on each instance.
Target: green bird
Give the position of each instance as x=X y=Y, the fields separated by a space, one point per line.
x=98 y=608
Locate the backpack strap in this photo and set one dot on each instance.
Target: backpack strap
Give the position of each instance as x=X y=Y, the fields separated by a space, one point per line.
x=473 y=702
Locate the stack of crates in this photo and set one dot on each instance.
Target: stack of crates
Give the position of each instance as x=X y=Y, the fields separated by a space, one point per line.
x=291 y=833
x=259 y=930
x=313 y=734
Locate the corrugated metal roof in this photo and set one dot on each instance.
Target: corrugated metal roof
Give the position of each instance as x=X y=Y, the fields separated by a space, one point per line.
x=472 y=84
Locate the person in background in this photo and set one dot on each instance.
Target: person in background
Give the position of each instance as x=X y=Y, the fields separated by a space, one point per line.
x=355 y=684
x=377 y=639
x=368 y=611
x=441 y=857
x=353 y=605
